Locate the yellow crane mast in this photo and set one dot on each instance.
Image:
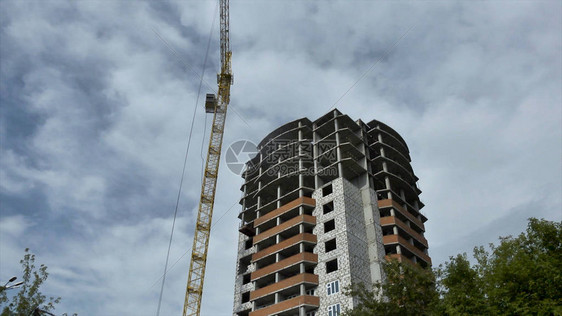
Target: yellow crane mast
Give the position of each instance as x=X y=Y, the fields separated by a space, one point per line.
x=217 y=105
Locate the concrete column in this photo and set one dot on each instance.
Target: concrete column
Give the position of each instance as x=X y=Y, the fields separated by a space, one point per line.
x=277 y=240
x=392 y=213
x=278 y=196
x=317 y=180
x=398 y=249
x=365 y=162
x=279 y=172
x=299 y=153
x=261 y=159
x=301 y=178
x=395 y=230
x=302 y=311
x=301 y=164
x=338 y=149
x=369 y=165
x=384 y=166
x=258 y=214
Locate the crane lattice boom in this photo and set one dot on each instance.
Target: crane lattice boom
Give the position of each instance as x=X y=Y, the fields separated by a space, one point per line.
x=218 y=106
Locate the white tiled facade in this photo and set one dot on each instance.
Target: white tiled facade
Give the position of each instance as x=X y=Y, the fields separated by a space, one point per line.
x=358 y=256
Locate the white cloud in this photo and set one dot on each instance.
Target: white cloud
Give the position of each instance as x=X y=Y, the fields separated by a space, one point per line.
x=14 y=226
x=473 y=89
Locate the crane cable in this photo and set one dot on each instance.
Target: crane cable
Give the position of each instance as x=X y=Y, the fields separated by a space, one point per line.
x=190 y=248
x=185 y=163
x=384 y=55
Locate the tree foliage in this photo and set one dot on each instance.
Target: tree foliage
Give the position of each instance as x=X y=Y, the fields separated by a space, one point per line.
x=407 y=290
x=29 y=296
x=520 y=276
x=461 y=288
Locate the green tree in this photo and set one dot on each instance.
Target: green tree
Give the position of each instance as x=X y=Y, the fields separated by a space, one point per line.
x=461 y=287
x=29 y=296
x=520 y=276
x=408 y=290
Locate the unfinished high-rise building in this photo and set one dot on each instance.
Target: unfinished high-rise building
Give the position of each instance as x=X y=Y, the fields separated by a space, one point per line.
x=324 y=203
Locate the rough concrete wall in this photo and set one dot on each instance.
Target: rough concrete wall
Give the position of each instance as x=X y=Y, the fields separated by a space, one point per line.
x=374 y=234
x=356 y=234
x=238 y=278
x=240 y=288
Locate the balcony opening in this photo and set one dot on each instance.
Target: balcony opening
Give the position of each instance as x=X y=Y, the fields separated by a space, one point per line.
x=330 y=245
x=244 y=312
x=329 y=225
x=332 y=266
x=309 y=269
x=390 y=249
x=328 y=207
x=244 y=263
x=387 y=231
x=245 y=297
x=265 y=281
x=327 y=190
x=249 y=243
x=246 y=278
x=385 y=212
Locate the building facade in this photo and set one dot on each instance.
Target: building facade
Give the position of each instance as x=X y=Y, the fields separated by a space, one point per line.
x=324 y=203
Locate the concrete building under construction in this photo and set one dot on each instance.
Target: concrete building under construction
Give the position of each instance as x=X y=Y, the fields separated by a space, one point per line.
x=324 y=203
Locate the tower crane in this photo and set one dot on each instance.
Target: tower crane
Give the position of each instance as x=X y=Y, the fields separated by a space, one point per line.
x=217 y=105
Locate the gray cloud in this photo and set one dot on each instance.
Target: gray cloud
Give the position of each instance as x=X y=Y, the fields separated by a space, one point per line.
x=95 y=110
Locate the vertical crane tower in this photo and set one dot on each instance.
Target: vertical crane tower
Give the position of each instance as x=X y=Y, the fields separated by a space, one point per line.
x=217 y=105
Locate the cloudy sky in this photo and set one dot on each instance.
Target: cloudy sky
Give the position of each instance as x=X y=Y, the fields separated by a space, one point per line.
x=97 y=99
